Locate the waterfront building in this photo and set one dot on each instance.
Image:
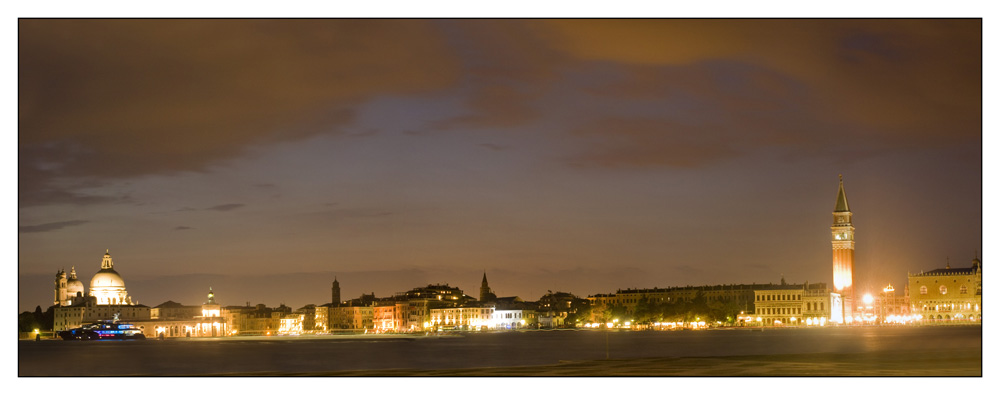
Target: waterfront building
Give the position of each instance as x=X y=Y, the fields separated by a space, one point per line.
x=291 y=324
x=504 y=313
x=106 y=287
x=171 y=310
x=176 y=320
x=475 y=316
x=513 y=317
x=388 y=315
x=254 y=320
x=308 y=313
x=948 y=295
x=737 y=295
x=554 y=309
x=792 y=304
x=106 y=298
x=322 y=319
x=842 y=240
x=349 y=317
x=85 y=310
x=67 y=288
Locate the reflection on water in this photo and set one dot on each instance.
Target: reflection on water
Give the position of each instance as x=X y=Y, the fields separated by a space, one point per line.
x=180 y=357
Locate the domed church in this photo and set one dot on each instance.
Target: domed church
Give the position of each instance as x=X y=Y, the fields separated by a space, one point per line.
x=106 y=287
x=68 y=288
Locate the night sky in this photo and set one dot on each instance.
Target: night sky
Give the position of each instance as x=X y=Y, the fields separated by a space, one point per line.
x=264 y=157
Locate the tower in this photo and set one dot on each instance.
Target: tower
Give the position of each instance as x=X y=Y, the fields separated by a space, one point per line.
x=842 y=233
x=335 y=292
x=485 y=294
x=61 y=285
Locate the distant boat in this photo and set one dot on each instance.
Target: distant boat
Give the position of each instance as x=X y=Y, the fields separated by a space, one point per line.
x=104 y=330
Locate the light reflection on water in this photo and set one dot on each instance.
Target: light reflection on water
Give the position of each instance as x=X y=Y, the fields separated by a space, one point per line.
x=178 y=357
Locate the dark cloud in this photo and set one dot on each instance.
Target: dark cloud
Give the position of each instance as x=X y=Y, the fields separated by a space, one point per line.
x=48 y=227
x=915 y=81
x=495 y=147
x=102 y=99
x=183 y=228
x=121 y=98
x=506 y=70
x=226 y=207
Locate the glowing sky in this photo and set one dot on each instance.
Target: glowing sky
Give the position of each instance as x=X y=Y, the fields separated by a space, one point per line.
x=263 y=157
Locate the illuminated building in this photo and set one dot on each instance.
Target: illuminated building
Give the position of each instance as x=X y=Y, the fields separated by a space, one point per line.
x=255 y=320
x=504 y=313
x=886 y=306
x=106 y=287
x=842 y=235
x=738 y=295
x=291 y=324
x=948 y=295
x=792 y=304
x=514 y=318
x=308 y=313
x=176 y=320
x=388 y=315
x=349 y=317
x=67 y=288
x=476 y=316
x=84 y=310
x=106 y=298
x=171 y=310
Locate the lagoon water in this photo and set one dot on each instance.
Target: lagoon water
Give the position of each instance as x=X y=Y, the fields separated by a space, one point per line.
x=333 y=353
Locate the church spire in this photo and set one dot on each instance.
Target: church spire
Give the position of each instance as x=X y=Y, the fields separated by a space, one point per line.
x=841 y=198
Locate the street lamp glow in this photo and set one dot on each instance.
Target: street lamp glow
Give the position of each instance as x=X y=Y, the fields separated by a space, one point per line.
x=868 y=299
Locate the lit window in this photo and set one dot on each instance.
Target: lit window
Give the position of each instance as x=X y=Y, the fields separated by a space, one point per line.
x=923 y=290
x=943 y=289
x=963 y=290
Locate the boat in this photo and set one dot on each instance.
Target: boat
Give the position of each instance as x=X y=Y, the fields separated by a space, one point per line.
x=104 y=330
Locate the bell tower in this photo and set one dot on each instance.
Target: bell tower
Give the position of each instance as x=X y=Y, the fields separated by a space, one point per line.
x=842 y=238
x=335 y=292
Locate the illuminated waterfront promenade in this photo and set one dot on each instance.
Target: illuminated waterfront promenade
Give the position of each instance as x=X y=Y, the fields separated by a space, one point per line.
x=830 y=351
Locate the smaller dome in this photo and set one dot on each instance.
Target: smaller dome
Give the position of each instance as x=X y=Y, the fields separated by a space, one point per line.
x=73 y=286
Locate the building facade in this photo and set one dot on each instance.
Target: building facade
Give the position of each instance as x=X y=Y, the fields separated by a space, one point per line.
x=949 y=295
x=792 y=304
x=84 y=311
x=738 y=295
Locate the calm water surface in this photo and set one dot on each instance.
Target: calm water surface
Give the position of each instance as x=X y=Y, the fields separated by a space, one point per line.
x=182 y=357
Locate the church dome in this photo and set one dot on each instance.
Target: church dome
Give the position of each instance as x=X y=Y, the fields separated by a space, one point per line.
x=107 y=285
x=107 y=278
x=73 y=286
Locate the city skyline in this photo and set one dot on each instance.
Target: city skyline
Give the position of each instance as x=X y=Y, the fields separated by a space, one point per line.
x=565 y=155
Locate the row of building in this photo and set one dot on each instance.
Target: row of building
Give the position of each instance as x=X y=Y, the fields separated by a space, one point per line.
x=430 y=308
x=948 y=295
